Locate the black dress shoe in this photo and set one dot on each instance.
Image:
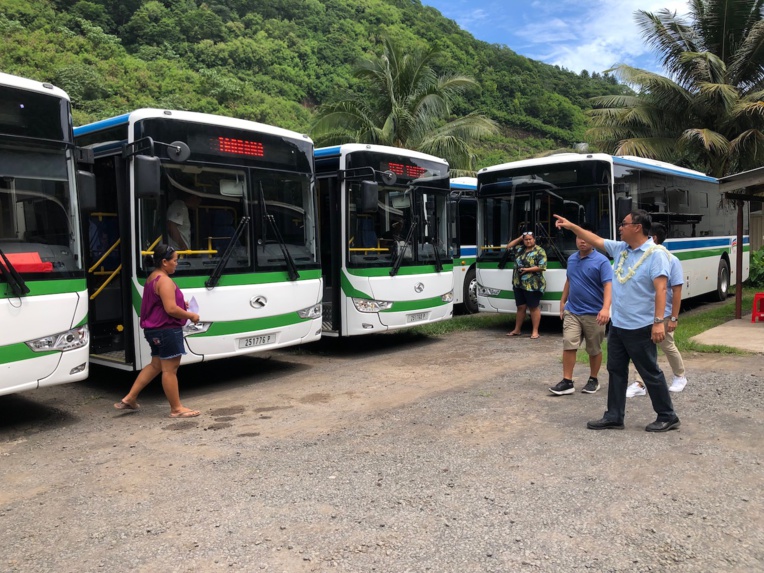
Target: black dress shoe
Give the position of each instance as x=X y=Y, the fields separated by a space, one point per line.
x=663 y=426
x=604 y=424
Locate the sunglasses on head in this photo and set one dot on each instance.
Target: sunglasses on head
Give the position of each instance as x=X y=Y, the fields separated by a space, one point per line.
x=530 y=233
x=168 y=253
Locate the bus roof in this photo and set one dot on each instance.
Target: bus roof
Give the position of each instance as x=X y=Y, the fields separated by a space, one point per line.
x=32 y=85
x=145 y=113
x=469 y=183
x=625 y=160
x=337 y=150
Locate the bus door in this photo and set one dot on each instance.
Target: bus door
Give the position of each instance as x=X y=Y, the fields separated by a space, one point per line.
x=107 y=228
x=330 y=225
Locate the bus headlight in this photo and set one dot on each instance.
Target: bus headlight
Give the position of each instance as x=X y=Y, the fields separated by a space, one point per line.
x=448 y=297
x=311 y=312
x=197 y=328
x=63 y=341
x=485 y=291
x=369 y=305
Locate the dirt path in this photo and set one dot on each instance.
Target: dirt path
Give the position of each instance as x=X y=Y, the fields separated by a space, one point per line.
x=390 y=453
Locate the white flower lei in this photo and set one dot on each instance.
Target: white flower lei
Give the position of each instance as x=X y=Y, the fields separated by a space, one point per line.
x=632 y=270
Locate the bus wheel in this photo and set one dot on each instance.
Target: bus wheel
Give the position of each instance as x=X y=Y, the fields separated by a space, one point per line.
x=722 y=281
x=470 y=292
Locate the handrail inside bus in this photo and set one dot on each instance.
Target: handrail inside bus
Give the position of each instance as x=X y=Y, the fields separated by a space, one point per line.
x=106 y=282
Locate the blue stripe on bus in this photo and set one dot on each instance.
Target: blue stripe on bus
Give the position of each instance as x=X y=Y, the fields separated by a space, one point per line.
x=701 y=243
x=661 y=169
x=103 y=124
x=468 y=251
x=463 y=186
x=326 y=151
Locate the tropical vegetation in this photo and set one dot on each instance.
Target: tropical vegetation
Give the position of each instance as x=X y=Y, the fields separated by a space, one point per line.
x=277 y=61
x=708 y=112
x=404 y=103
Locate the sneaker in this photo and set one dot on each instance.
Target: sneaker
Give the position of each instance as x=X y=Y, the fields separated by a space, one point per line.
x=635 y=389
x=678 y=384
x=563 y=387
x=592 y=385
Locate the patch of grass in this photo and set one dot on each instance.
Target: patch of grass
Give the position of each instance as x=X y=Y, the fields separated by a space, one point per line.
x=464 y=322
x=699 y=319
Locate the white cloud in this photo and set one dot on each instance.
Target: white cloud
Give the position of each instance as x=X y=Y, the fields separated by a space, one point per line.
x=576 y=34
x=595 y=37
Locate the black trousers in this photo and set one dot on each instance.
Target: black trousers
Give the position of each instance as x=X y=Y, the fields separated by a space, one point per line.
x=635 y=345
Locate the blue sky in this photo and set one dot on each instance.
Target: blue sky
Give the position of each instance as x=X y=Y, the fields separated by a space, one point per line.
x=579 y=35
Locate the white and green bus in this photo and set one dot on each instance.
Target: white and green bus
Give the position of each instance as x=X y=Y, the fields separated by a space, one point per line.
x=601 y=189
x=463 y=233
x=384 y=238
x=43 y=299
x=246 y=192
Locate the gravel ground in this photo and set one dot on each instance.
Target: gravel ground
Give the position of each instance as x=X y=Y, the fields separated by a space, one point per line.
x=393 y=453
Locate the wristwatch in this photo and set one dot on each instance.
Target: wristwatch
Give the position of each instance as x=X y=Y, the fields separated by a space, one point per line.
x=658 y=320
x=673 y=319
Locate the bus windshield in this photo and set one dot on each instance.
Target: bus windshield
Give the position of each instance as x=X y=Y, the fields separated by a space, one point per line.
x=206 y=198
x=39 y=226
x=408 y=224
x=525 y=199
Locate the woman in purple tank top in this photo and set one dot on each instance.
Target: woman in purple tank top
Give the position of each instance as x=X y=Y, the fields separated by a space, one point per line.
x=163 y=314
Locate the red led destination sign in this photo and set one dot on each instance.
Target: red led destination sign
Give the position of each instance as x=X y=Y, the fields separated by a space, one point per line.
x=406 y=170
x=238 y=147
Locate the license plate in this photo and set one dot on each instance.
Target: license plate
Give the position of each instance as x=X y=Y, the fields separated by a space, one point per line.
x=252 y=341
x=416 y=317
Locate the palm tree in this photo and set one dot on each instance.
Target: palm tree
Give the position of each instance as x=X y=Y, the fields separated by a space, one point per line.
x=405 y=104
x=708 y=114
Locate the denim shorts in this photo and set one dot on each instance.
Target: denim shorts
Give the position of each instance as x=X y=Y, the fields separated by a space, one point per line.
x=166 y=343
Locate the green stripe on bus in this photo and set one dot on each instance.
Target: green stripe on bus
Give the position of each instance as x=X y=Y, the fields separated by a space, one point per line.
x=19 y=351
x=689 y=255
x=54 y=286
x=229 y=327
x=510 y=295
x=349 y=289
x=243 y=279
x=403 y=271
x=510 y=266
x=240 y=280
x=407 y=305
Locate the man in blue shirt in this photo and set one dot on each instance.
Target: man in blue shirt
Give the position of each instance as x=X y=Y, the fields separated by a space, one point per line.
x=671 y=319
x=639 y=298
x=584 y=310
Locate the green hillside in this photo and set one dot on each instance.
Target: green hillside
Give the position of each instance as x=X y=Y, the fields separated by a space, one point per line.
x=274 y=61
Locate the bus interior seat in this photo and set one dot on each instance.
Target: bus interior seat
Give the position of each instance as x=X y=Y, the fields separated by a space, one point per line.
x=366 y=235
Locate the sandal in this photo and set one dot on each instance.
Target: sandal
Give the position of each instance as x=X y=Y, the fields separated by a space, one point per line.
x=122 y=405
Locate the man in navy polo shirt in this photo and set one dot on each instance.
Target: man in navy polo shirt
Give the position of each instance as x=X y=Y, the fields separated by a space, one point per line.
x=584 y=310
x=641 y=269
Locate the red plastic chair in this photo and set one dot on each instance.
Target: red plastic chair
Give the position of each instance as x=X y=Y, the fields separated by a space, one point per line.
x=758 y=307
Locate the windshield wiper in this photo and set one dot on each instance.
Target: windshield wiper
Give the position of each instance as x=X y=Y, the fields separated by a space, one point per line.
x=401 y=252
x=217 y=272
x=11 y=275
x=505 y=258
x=291 y=267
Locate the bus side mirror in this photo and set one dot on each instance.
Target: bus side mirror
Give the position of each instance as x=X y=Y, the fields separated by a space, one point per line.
x=368 y=202
x=622 y=208
x=86 y=190
x=147 y=175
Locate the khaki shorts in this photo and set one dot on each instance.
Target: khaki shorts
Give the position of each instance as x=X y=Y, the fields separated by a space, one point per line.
x=578 y=326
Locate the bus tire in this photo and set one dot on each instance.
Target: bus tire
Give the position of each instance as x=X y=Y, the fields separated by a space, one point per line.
x=722 y=281
x=470 y=292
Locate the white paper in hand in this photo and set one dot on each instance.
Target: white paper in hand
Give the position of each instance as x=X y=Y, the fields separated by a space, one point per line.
x=193 y=306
